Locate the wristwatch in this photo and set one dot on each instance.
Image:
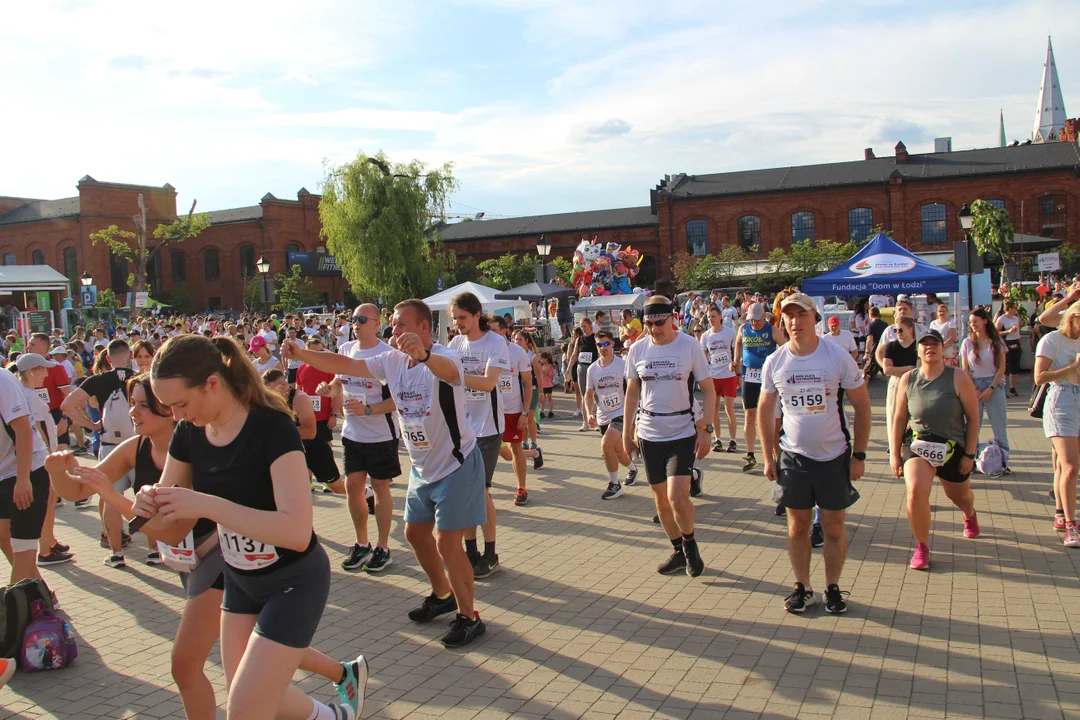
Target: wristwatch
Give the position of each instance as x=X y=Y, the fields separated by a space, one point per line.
x=707 y=428
x=860 y=456
x=367 y=410
x=968 y=455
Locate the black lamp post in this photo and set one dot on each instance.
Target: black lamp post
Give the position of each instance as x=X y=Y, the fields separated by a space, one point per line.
x=262 y=265
x=966 y=221
x=543 y=249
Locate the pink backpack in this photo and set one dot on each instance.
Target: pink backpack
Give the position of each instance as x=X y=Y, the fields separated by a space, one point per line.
x=48 y=643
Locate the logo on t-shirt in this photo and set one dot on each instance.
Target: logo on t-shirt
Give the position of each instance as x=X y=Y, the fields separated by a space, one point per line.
x=662 y=368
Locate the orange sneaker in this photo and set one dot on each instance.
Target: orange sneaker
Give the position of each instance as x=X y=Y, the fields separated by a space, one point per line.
x=522 y=497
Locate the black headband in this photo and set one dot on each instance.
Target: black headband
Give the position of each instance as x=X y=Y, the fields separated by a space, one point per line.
x=657 y=310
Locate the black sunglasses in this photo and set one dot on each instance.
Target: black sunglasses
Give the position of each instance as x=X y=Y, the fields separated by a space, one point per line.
x=362 y=319
x=657 y=323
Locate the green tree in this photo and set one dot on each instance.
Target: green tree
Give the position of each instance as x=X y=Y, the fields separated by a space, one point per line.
x=564 y=269
x=508 y=271
x=992 y=229
x=107 y=299
x=293 y=291
x=181 y=299
x=375 y=219
x=137 y=248
x=682 y=267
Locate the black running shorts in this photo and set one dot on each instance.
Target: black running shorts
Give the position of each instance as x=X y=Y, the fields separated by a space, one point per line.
x=26 y=524
x=320 y=455
x=751 y=392
x=668 y=458
x=489 y=451
x=807 y=482
x=379 y=459
x=617 y=423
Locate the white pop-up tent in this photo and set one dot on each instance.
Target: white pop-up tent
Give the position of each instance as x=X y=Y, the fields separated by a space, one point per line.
x=439 y=302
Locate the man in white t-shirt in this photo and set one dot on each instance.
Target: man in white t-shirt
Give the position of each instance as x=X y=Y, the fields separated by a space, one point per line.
x=843 y=338
x=719 y=344
x=605 y=394
x=879 y=301
x=661 y=371
x=293 y=365
x=819 y=459
x=728 y=313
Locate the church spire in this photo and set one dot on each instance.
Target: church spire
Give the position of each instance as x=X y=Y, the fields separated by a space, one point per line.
x=1001 y=134
x=1050 y=113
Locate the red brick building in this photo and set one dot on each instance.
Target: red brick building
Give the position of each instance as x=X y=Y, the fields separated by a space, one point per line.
x=914 y=196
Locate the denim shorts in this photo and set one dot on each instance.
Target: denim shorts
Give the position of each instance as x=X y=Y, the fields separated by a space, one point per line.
x=1061 y=414
x=456 y=502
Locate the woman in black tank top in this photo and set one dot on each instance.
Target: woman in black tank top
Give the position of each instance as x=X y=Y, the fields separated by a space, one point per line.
x=200 y=621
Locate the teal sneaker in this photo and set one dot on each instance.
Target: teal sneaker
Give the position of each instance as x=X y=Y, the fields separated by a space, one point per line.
x=352 y=687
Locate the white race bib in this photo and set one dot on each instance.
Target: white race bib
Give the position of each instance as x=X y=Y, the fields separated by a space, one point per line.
x=932 y=452
x=179 y=557
x=611 y=403
x=243 y=553
x=416 y=435
x=752 y=375
x=719 y=360
x=584 y=357
x=805 y=399
x=43 y=393
x=506 y=383
x=316 y=402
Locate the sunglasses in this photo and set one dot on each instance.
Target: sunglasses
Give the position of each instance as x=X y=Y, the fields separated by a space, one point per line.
x=362 y=319
x=657 y=323
x=603 y=344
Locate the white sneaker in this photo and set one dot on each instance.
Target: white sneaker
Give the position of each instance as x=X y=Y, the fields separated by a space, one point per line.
x=1072 y=536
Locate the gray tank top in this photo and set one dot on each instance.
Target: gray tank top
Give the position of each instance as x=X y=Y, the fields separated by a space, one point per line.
x=935 y=407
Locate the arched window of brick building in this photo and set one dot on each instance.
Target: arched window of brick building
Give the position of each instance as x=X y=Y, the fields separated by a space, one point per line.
x=9 y=258
x=179 y=266
x=290 y=248
x=997 y=202
x=750 y=233
x=934 y=223
x=37 y=257
x=71 y=269
x=1053 y=216
x=860 y=222
x=247 y=261
x=118 y=275
x=211 y=264
x=697 y=237
x=802 y=227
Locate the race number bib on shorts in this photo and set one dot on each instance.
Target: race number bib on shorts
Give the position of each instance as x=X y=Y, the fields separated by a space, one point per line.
x=932 y=452
x=179 y=556
x=752 y=375
x=416 y=435
x=611 y=403
x=585 y=357
x=506 y=383
x=804 y=392
x=316 y=402
x=243 y=553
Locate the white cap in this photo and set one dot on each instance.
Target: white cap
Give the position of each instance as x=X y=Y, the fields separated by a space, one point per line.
x=29 y=361
x=755 y=312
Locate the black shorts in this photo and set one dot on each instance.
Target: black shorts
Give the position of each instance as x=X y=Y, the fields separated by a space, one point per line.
x=547 y=391
x=668 y=458
x=807 y=482
x=379 y=459
x=289 y=602
x=751 y=392
x=26 y=524
x=617 y=423
x=61 y=438
x=489 y=451
x=320 y=455
x=950 y=471
x=1012 y=357
x=291 y=375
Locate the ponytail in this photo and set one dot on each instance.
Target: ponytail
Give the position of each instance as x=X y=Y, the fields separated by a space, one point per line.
x=194 y=359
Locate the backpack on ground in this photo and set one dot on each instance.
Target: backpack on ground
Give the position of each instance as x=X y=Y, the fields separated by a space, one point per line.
x=16 y=604
x=48 y=643
x=115 y=422
x=992 y=459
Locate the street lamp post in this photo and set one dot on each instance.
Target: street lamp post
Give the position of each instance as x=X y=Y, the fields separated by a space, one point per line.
x=86 y=280
x=543 y=249
x=966 y=221
x=262 y=265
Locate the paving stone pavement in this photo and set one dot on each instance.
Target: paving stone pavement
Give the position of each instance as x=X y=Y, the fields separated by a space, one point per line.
x=580 y=625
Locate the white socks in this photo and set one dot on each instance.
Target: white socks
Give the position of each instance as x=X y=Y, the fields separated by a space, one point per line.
x=613 y=477
x=331 y=712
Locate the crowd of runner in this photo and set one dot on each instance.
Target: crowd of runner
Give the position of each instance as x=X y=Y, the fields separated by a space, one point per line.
x=221 y=431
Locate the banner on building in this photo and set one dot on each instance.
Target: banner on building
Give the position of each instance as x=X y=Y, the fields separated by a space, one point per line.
x=313 y=263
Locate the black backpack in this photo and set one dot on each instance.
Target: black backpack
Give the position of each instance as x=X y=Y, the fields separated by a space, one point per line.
x=15 y=603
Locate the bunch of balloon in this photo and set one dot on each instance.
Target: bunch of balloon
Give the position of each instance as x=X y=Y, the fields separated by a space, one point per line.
x=604 y=269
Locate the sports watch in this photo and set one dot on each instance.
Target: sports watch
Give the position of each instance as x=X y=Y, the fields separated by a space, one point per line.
x=860 y=456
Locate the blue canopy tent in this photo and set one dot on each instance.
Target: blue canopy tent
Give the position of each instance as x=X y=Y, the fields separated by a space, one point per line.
x=882 y=266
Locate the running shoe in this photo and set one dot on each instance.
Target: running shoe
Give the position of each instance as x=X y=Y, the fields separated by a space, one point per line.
x=656 y=519
x=694 y=564
x=82 y=503
x=61 y=547
x=379 y=561
x=153 y=557
x=358 y=555
x=1072 y=536
x=1013 y=393
x=631 y=476
x=53 y=558
x=1059 y=522
x=522 y=497
x=7 y=669
x=463 y=631
x=800 y=599
x=971 y=526
x=817 y=536
x=695 y=481
x=780 y=510
x=584 y=427
x=59 y=502
x=731 y=446
x=921 y=559
x=433 y=607
x=613 y=491
x=674 y=564
x=834 y=600
x=538 y=461
x=484 y=566
x=116 y=560
x=353 y=685
x=124 y=542
x=751 y=463
x=717 y=446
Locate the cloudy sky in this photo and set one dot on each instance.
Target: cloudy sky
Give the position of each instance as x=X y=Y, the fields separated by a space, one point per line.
x=541 y=105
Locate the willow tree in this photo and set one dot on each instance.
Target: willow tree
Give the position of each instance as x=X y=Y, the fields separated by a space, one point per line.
x=376 y=217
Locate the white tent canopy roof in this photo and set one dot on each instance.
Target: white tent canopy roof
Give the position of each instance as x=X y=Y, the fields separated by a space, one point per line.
x=633 y=301
x=441 y=301
x=19 y=278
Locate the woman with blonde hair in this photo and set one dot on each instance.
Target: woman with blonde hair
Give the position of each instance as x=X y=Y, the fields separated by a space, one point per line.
x=1057 y=362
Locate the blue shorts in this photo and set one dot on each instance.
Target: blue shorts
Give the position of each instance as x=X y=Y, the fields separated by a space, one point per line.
x=1061 y=414
x=456 y=502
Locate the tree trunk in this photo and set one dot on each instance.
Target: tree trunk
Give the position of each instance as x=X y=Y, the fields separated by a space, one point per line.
x=140 y=256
